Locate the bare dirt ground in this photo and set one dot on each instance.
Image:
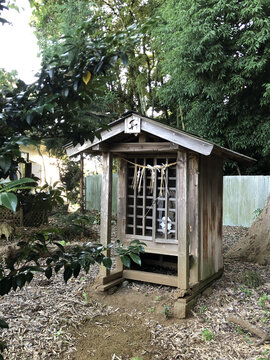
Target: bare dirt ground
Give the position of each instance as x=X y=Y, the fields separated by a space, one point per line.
x=51 y=320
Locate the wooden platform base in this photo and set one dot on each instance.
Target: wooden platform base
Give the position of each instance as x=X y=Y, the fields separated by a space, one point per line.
x=184 y=305
x=150 y=277
x=185 y=300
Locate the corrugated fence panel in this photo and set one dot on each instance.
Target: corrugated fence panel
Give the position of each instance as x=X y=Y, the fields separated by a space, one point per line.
x=242 y=196
x=93 y=192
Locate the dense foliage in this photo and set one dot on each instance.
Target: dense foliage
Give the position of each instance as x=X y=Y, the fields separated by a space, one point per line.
x=63 y=102
x=130 y=85
x=216 y=55
x=201 y=66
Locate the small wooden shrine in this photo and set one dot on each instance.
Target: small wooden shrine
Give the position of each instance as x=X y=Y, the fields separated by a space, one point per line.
x=170 y=197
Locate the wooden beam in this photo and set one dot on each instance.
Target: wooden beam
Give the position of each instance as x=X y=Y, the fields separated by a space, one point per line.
x=146 y=147
x=100 y=148
x=154 y=248
x=199 y=288
x=106 y=206
x=113 y=276
x=161 y=279
x=182 y=235
x=111 y=284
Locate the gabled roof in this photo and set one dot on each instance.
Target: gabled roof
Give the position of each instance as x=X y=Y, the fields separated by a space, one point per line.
x=165 y=132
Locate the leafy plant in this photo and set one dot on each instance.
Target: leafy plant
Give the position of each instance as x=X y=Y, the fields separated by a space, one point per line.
x=203 y=309
x=265 y=355
x=239 y=330
x=167 y=311
x=262 y=301
x=85 y=296
x=45 y=254
x=59 y=332
x=74 y=224
x=135 y=248
x=247 y=292
x=207 y=335
x=256 y=213
x=70 y=176
x=248 y=340
x=8 y=190
x=251 y=279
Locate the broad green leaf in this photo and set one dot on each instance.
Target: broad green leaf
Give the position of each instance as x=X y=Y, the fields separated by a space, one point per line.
x=61 y=247
x=21 y=280
x=107 y=262
x=29 y=277
x=58 y=267
x=16 y=184
x=136 y=258
x=3 y=324
x=77 y=270
x=5 y=286
x=29 y=119
x=9 y=201
x=67 y=273
x=5 y=163
x=125 y=260
x=48 y=272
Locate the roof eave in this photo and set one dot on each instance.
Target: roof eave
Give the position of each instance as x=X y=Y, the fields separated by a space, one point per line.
x=232 y=155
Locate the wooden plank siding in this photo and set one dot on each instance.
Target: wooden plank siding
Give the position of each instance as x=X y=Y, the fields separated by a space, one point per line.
x=210 y=215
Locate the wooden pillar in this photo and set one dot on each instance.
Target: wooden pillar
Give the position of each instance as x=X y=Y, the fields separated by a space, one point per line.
x=106 y=206
x=122 y=206
x=193 y=217
x=82 y=205
x=182 y=212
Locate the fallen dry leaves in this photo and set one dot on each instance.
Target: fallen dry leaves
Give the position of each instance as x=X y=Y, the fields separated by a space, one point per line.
x=45 y=316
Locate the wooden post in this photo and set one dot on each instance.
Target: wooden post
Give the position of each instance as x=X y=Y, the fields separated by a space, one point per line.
x=182 y=234
x=82 y=207
x=122 y=206
x=106 y=206
x=193 y=217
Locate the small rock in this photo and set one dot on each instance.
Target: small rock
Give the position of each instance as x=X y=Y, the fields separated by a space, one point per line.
x=124 y=284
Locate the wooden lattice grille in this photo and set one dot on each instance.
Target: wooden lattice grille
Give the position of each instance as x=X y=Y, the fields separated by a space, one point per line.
x=30 y=219
x=151 y=199
x=11 y=217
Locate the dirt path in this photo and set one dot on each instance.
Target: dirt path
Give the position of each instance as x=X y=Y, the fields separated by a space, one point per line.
x=51 y=320
x=125 y=332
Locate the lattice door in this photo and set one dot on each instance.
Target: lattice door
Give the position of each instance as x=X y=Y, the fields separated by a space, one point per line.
x=151 y=198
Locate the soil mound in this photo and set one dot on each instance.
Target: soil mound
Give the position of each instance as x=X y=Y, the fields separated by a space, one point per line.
x=255 y=245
